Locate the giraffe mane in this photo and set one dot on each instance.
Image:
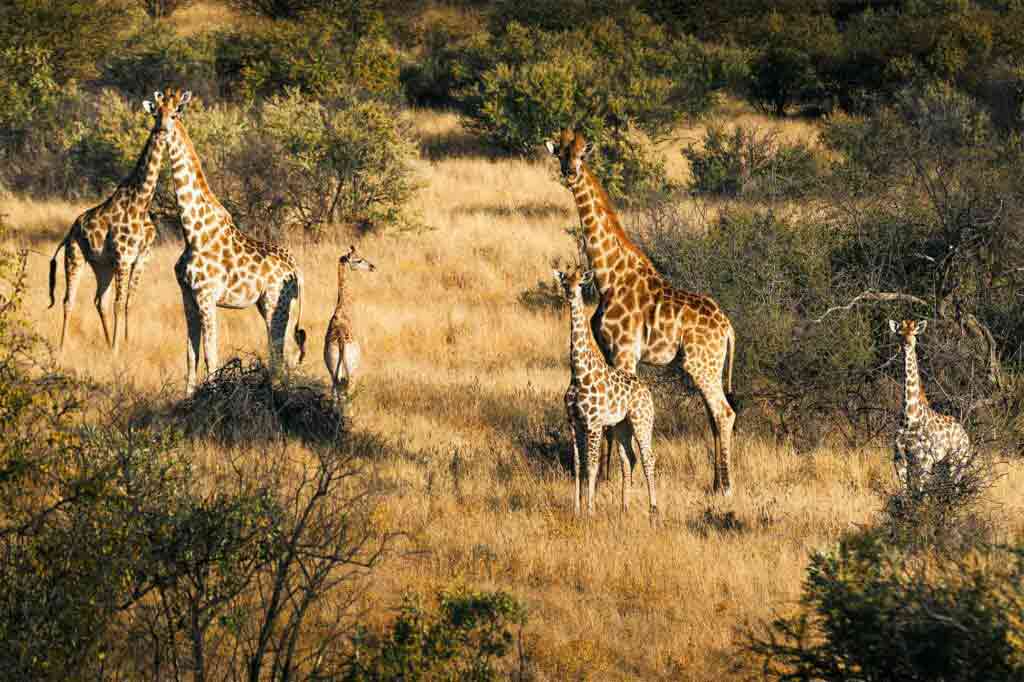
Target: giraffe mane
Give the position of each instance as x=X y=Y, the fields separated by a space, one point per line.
x=613 y=224
x=201 y=183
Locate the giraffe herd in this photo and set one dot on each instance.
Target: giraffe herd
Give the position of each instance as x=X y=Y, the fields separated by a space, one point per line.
x=640 y=317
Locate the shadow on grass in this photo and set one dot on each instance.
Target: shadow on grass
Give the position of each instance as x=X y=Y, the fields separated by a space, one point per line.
x=534 y=210
x=458 y=144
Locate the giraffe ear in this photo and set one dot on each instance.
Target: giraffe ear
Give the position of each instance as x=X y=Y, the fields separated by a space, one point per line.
x=158 y=96
x=893 y=327
x=587 y=148
x=551 y=147
x=921 y=325
x=587 y=277
x=557 y=275
x=186 y=97
x=148 y=106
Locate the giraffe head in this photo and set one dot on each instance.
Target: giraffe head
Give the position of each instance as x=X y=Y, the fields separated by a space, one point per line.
x=353 y=261
x=167 y=107
x=572 y=282
x=907 y=330
x=570 y=149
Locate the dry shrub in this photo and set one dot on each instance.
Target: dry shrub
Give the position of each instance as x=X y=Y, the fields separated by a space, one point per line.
x=244 y=403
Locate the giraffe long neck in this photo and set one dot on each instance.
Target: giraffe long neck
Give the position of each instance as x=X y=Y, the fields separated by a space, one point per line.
x=583 y=355
x=609 y=249
x=342 y=302
x=914 y=401
x=143 y=178
x=201 y=214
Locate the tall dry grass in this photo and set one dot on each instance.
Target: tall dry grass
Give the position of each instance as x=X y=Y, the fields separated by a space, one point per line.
x=463 y=384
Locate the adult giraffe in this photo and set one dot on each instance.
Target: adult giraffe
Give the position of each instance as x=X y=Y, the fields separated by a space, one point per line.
x=114 y=238
x=221 y=265
x=641 y=317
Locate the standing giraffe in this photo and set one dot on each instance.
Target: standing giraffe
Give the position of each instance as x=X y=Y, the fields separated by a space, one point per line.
x=641 y=317
x=602 y=397
x=341 y=349
x=925 y=440
x=221 y=265
x=114 y=238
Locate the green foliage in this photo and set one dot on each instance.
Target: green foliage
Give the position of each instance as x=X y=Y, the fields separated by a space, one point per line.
x=27 y=93
x=463 y=640
x=870 y=612
x=752 y=164
x=161 y=9
x=76 y=32
x=313 y=164
x=155 y=58
x=346 y=55
x=786 y=69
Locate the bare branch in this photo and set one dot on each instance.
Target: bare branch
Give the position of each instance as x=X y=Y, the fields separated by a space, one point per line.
x=874 y=297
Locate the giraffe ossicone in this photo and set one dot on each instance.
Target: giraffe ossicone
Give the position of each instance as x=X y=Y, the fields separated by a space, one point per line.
x=641 y=317
x=342 y=353
x=222 y=266
x=114 y=238
x=927 y=443
x=600 y=398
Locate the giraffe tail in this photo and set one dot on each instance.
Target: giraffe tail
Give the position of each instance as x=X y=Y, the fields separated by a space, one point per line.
x=53 y=268
x=730 y=348
x=300 y=333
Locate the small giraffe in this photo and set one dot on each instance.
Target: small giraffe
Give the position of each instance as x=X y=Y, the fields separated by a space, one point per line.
x=222 y=266
x=602 y=397
x=341 y=349
x=641 y=317
x=926 y=441
x=115 y=238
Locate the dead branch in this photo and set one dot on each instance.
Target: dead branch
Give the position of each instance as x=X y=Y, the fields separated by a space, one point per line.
x=874 y=297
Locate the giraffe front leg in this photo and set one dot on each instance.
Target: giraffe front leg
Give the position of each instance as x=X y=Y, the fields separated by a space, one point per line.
x=195 y=333
x=74 y=268
x=122 y=283
x=207 y=305
x=643 y=430
x=593 y=462
x=104 y=277
x=574 y=435
x=138 y=267
x=624 y=439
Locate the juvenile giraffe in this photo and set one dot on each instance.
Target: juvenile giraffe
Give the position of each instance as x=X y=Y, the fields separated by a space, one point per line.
x=221 y=265
x=641 y=317
x=601 y=397
x=926 y=440
x=341 y=349
x=114 y=238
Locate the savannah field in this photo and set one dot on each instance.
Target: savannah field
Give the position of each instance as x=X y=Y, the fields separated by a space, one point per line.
x=463 y=382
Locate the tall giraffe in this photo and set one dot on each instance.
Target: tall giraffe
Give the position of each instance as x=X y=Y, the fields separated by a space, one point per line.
x=602 y=397
x=341 y=349
x=641 y=317
x=926 y=440
x=114 y=238
x=221 y=265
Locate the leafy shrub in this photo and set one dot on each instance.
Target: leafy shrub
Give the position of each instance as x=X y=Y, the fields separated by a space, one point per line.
x=787 y=69
x=462 y=640
x=313 y=164
x=160 y=9
x=870 y=612
x=154 y=58
x=346 y=55
x=752 y=164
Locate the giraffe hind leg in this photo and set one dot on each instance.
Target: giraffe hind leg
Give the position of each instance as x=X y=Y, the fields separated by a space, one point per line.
x=74 y=268
x=104 y=277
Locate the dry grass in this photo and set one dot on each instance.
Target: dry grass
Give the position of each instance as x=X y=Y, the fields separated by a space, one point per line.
x=204 y=16
x=464 y=383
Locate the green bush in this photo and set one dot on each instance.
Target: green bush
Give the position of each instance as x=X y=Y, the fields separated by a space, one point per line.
x=155 y=58
x=463 y=639
x=753 y=164
x=870 y=612
x=787 y=69
x=309 y=164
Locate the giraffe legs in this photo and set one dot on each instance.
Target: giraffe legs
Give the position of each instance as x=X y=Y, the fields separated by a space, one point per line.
x=122 y=284
x=721 y=418
x=641 y=428
x=74 y=268
x=575 y=435
x=593 y=462
x=104 y=276
x=208 y=324
x=195 y=335
x=275 y=306
x=133 y=283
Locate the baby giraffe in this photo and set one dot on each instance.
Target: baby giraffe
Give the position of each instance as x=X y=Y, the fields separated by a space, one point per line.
x=601 y=397
x=926 y=441
x=341 y=350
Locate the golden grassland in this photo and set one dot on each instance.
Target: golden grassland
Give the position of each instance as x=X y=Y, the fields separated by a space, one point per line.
x=463 y=382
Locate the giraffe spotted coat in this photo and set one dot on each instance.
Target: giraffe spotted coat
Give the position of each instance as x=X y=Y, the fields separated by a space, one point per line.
x=927 y=443
x=342 y=353
x=114 y=238
x=641 y=317
x=222 y=266
x=601 y=397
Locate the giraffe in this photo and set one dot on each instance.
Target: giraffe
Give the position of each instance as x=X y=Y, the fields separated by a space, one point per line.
x=926 y=441
x=641 y=317
x=341 y=350
x=602 y=397
x=114 y=238
x=222 y=266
